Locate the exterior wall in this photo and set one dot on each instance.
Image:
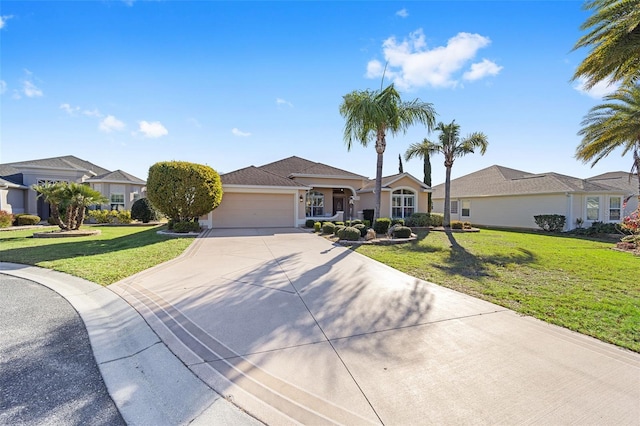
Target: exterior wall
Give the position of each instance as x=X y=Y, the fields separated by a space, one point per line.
x=579 y=209
x=128 y=189
x=14 y=200
x=33 y=176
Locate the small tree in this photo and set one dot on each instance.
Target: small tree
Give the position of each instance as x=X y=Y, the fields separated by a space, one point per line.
x=183 y=191
x=143 y=211
x=73 y=197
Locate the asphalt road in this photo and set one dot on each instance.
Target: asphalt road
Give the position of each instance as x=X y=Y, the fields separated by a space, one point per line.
x=48 y=374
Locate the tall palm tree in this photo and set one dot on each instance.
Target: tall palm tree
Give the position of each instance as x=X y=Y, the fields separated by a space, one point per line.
x=421 y=150
x=371 y=114
x=614 y=38
x=452 y=146
x=614 y=124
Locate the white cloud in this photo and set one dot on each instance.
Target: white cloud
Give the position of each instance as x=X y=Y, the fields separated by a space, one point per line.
x=239 y=132
x=412 y=64
x=152 y=130
x=599 y=91
x=110 y=124
x=280 y=101
x=92 y=113
x=3 y=86
x=30 y=90
x=402 y=13
x=482 y=69
x=69 y=109
x=4 y=19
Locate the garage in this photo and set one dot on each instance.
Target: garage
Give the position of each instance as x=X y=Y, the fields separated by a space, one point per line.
x=255 y=210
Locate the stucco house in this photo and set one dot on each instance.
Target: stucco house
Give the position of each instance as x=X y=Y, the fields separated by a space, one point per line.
x=504 y=197
x=290 y=191
x=16 y=195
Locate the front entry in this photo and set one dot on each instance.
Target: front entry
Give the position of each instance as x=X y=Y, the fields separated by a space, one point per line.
x=339 y=206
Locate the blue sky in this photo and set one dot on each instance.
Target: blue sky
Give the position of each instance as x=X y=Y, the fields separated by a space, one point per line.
x=125 y=84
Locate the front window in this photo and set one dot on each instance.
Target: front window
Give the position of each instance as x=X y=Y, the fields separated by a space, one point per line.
x=403 y=203
x=454 y=207
x=315 y=204
x=466 y=208
x=593 y=208
x=615 y=204
x=117 y=201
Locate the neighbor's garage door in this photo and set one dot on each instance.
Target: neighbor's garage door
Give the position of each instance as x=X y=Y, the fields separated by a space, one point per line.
x=245 y=210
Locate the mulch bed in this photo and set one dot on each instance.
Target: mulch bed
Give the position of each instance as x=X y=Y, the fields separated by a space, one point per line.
x=67 y=234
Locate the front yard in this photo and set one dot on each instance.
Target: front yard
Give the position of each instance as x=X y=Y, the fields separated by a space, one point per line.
x=118 y=252
x=579 y=284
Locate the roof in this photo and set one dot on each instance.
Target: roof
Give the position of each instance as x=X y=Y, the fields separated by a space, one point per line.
x=117 y=176
x=64 y=162
x=8 y=184
x=500 y=181
x=300 y=166
x=388 y=180
x=255 y=176
x=622 y=180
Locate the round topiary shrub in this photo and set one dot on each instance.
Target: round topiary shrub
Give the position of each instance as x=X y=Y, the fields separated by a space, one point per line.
x=143 y=211
x=328 y=228
x=317 y=227
x=362 y=228
x=28 y=219
x=338 y=231
x=355 y=222
x=402 y=232
x=351 y=233
x=184 y=227
x=381 y=225
x=309 y=223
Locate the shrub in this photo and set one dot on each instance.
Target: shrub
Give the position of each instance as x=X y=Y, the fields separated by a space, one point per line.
x=381 y=226
x=27 y=219
x=367 y=223
x=436 y=219
x=550 y=222
x=143 y=211
x=309 y=223
x=186 y=226
x=631 y=223
x=111 y=216
x=338 y=223
x=456 y=224
x=351 y=233
x=317 y=227
x=338 y=231
x=362 y=228
x=6 y=219
x=402 y=232
x=328 y=228
x=355 y=222
x=124 y=216
x=466 y=225
x=418 y=220
x=397 y=222
x=183 y=191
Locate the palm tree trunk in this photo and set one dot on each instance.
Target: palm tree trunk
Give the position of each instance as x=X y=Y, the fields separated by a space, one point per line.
x=378 y=189
x=427 y=179
x=447 y=198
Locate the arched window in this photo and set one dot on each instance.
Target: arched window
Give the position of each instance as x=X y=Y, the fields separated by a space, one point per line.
x=315 y=204
x=403 y=203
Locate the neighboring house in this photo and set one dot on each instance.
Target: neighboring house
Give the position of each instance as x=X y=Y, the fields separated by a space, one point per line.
x=504 y=197
x=286 y=193
x=16 y=195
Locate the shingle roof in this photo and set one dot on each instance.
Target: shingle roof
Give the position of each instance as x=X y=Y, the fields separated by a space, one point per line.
x=386 y=180
x=255 y=176
x=118 y=175
x=11 y=174
x=296 y=165
x=497 y=181
x=64 y=162
x=8 y=183
x=621 y=180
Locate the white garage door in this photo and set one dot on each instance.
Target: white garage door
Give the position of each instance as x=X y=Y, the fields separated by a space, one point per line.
x=245 y=210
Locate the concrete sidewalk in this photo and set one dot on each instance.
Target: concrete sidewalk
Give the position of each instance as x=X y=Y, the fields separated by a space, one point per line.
x=294 y=329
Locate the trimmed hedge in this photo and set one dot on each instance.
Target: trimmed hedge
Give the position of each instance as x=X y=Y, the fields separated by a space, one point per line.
x=328 y=228
x=402 y=232
x=338 y=231
x=27 y=219
x=397 y=222
x=317 y=227
x=550 y=222
x=351 y=233
x=362 y=228
x=309 y=223
x=381 y=226
x=418 y=220
x=184 y=227
x=456 y=224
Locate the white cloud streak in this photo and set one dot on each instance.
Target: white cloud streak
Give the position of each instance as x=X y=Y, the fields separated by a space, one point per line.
x=412 y=64
x=599 y=91
x=110 y=124
x=240 y=133
x=3 y=86
x=152 y=130
x=4 y=19
x=280 y=101
x=30 y=90
x=402 y=13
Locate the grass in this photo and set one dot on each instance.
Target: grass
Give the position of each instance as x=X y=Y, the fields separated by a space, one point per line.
x=579 y=284
x=119 y=252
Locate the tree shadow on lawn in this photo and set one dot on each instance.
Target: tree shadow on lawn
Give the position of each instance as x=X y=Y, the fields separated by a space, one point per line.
x=65 y=248
x=462 y=262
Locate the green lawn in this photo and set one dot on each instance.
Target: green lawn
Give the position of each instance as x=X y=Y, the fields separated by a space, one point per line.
x=579 y=284
x=120 y=251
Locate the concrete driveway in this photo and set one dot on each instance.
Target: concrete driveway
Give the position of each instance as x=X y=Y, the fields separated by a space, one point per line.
x=292 y=328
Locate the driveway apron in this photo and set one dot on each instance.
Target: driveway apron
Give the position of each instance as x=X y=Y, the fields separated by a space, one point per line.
x=295 y=329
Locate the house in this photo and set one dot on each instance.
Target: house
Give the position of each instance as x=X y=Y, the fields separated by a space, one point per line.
x=290 y=191
x=16 y=195
x=504 y=197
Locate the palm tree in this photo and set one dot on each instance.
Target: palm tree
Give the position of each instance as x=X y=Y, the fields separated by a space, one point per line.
x=452 y=146
x=614 y=38
x=614 y=124
x=371 y=114
x=421 y=150
x=54 y=194
x=80 y=197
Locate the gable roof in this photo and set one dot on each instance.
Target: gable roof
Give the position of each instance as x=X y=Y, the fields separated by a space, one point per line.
x=117 y=176
x=254 y=176
x=388 y=180
x=8 y=184
x=499 y=181
x=621 y=180
x=296 y=166
x=64 y=162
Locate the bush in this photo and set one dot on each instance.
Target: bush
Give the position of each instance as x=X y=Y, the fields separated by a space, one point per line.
x=328 y=228
x=402 y=232
x=338 y=223
x=466 y=225
x=184 y=227
x=355 y=222
x=309 y=223
x=143 y=211
x=362 y=228
x=6 y=219
x=550 y=222
x=381 y=226
x=351 y=233
x=338 y=231
x=317 y=227
x=124 y=216
x=418 y=220
x=436 y=219
x=456 y=224
x=27 y=219
x=397 y=222
x=111 y=216
x=367 y=223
